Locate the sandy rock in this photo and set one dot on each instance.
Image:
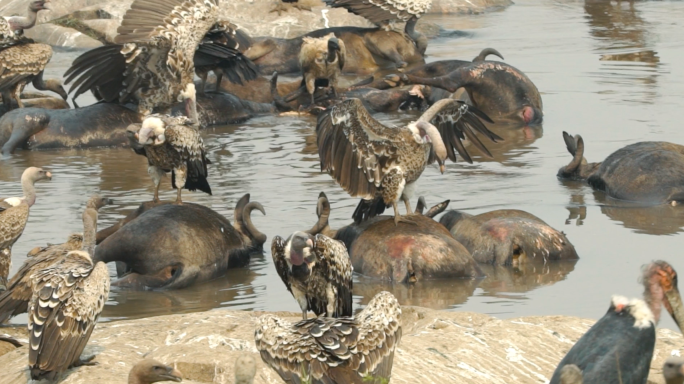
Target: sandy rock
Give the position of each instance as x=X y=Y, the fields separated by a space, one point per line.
x=57 y=35
x=437 y=347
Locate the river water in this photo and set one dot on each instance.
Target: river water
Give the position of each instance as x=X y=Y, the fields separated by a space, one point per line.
x=609 y=71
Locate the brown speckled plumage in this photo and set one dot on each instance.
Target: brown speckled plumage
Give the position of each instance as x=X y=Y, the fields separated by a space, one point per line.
x=328 y=350
x=371 y=160
x=321 y=283
x=384 y=11
x=152 y=60
x=21 y=63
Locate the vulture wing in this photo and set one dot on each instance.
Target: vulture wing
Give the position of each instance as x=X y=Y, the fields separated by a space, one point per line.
x=187 y=141
x=379 y=11
x=335 y=264
x=278 y=254
x=67 y=301
x=222 y=47
x=457 y=121
x=354 y=148
x=22 y=61
x=330 y=350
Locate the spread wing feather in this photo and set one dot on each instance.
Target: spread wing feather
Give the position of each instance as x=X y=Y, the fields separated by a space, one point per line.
x=457 y=121
x=336 y=265
x=278 y=254
x=21 y=61
x=101 y=70
x=354 y=148
x=330 y=350
x=379 y=11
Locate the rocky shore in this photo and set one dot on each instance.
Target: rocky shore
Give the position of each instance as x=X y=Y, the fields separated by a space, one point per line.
x=90 y=23
x=436 y=347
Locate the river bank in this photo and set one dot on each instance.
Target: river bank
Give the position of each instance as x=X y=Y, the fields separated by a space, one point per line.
x=436 y=347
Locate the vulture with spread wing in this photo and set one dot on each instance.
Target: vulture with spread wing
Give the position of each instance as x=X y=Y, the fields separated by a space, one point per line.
x=67 y=300
x=172 y=144
x=358 y=350
x=376 y=162
x=152 y=61
x=384 y=12
x=15 y=300
x=317 y=271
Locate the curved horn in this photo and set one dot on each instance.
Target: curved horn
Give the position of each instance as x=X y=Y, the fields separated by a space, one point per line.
x=280 y=104
x=575 y=145
x=486 y=52
x=437 y=209
x=323 y=213
x=239 y=208
x=247 y=220
x=420 y=206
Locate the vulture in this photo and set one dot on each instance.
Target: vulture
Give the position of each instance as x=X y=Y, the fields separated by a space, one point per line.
x=152 y=60
x=383 y=13
x=381 y=164
x=172 y=144
x=15 y=300
x=317 y=271
x=22 y=60
x=150 y=371
x=619 y=347
x=350 y=350
x=14 y=213
x=321 y=59
x=219 y=52
x=67 y=300
x=673 y=370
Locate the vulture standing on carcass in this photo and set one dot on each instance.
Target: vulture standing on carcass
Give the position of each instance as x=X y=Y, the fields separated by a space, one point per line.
x=321 y=59
x=22 y=60
x=317 y=271
x=152 y=60
x=219 y=52
x=150 y=371
x=379 y=163
x=67 y=300
x=15 y=300
x=350 y=350
x=619 y=347
x=172 y=144
x=14 y=213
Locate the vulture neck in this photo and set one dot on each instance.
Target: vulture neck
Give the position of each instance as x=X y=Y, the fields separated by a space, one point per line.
x=28 y=189
x=19 y=23
x=89 y=230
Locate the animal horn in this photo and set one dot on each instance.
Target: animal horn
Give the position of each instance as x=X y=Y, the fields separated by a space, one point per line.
x=486 y=52
x=437 y=209
x=239 y=208
x=323 y=213
x=280 y=104
x=247 y=221
x=575 y=146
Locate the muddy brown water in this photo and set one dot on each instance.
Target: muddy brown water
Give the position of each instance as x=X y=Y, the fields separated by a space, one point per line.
x=609 y=71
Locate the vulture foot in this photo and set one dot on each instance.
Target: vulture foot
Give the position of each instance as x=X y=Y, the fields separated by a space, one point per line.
x=408 y=219
x=87 y=361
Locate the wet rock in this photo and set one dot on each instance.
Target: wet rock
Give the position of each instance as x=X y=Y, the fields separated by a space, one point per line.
x=437 y=346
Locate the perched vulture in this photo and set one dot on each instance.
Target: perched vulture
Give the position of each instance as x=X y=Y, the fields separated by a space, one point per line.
x=350 y=350
x=321 y=59
x=172 y=144
x=67 y=300
x=376 y=162
x=15 y=300
x=619 y=347
x=220 y=52
x=152 y=61
x=14 y=213
x=150 y=371
x=384 y=12
x=22 y=60
x=317 y=271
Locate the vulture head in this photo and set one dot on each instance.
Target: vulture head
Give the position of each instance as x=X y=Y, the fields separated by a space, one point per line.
x=333 y=49
x=38 y=5
x=152 y=131
x=189 y=97
x=33 y=174
x=299 y=251
x=98 y=202
x=151 y=371
x=428 y=133
x=673 y=370
x=660 y=284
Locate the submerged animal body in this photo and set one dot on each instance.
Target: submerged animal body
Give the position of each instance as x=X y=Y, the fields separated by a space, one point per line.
x=321 y=59
x=317 y=271
x=353 y=350
x=372 y=161
x=172 y=144
x=619 y=347
x=649 y=172
x=169 y=246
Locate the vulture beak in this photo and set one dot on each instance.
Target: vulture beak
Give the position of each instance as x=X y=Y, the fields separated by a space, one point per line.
x=673 y=300
x=48 y=175
x=442 y=167
x=174 y=375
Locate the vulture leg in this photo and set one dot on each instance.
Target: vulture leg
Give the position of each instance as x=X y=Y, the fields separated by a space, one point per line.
x=156 y=175
x=16 y=93
x=408 y=205
x=397 y=216
x=181 y=174
x=7 y=100
x=304 y=314
x=203 y=77
x=219 y=79
x=83 y=362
